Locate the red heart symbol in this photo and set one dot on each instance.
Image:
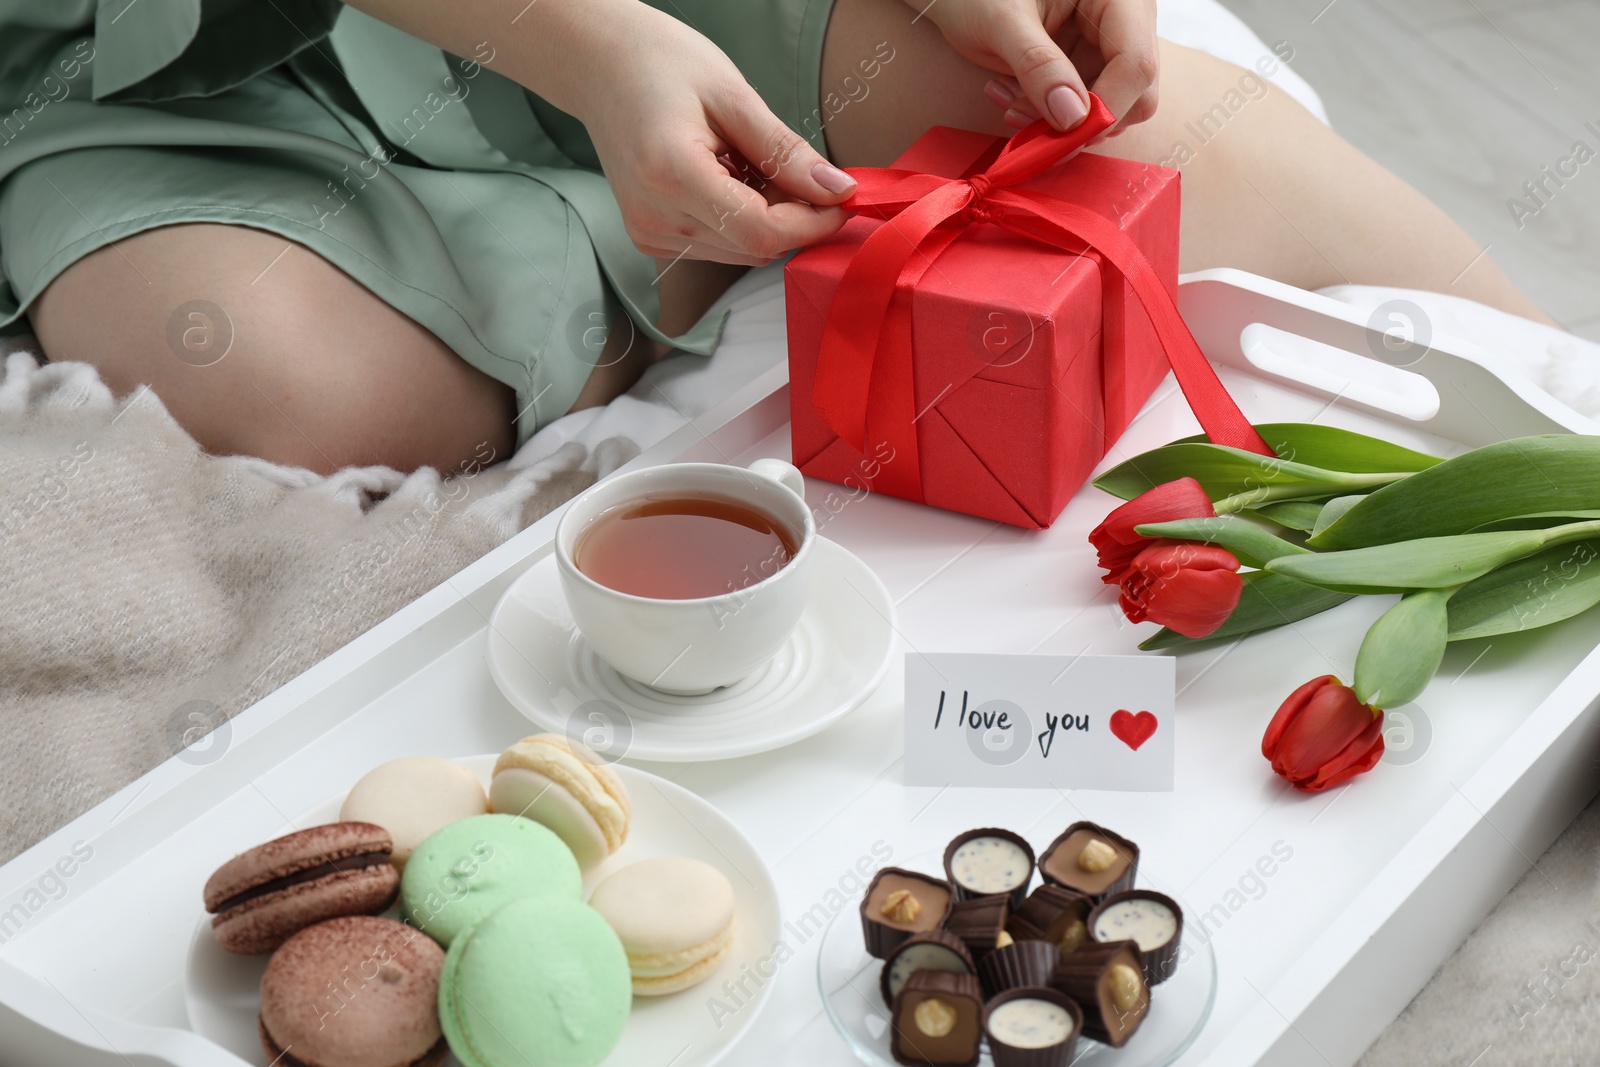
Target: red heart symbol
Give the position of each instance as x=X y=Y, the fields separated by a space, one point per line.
x=1133 y=730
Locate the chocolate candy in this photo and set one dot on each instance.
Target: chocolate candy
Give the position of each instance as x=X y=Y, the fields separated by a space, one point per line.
x=900 y=903
x=979 y=922
x=1022 y=963
x=987 y=862
x=1091 y=860
x=1032 y=1027
x=1053 y=914
x=937 y=1019
x=935 y=950
x=1152 y=920
x=1107 y=981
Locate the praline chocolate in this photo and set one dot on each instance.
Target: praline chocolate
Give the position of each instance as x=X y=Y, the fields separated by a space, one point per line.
x=1091 y=860
x=1152 y=920
x=989 y=861
x=900 y=903
x=979 y=923
x=1022 y=963
x=933 y=950
x=1032 y=1027
x=937 y=1020
x=1052 y=914
x=1107 y=981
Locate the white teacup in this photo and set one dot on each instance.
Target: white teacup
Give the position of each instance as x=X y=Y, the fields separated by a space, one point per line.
x=690 y=647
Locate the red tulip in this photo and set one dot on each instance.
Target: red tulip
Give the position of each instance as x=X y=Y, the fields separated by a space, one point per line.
x=1187 y=587
x=1114 y=538
x=1323 y=735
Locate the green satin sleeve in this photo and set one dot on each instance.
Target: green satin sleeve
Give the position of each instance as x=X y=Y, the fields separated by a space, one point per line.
x=404 y=82
x=150 y=50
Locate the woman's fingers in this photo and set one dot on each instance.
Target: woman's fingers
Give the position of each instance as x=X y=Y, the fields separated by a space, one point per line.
x=1124 y=32
x=782 y=156
x=1006 y=94
x=1048 y=79
x=742 y=220
x=730 y=222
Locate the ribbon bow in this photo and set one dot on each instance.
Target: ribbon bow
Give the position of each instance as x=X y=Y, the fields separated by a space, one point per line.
x=865 y=361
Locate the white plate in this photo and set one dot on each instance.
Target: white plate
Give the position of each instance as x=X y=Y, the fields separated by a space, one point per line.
x=222 y=990
x=1179 y=1007
x=835 y=659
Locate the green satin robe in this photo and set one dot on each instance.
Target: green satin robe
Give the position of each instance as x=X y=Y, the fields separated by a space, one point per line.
x=452 y=193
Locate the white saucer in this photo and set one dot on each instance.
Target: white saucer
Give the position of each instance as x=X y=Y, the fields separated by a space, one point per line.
x=836 y=657
x=222 y=991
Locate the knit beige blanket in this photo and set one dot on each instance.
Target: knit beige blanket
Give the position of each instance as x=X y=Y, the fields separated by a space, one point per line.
x=149 y=591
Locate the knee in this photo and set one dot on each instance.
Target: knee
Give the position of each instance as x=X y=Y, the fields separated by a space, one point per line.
x=295 y=363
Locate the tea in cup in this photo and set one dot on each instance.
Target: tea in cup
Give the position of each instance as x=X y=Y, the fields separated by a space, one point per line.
x=688 y=576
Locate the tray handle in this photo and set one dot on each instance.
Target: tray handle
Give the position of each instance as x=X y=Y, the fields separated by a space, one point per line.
x=1317 y=344
x=39 y=1025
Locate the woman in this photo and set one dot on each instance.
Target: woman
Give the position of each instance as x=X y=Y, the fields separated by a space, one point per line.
x=397 y=232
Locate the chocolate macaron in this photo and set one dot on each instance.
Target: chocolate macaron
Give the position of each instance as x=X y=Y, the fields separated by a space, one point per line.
x=354 y=990
x=261 y=897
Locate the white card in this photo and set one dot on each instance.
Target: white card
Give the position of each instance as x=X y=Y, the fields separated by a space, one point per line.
x=1031 y=722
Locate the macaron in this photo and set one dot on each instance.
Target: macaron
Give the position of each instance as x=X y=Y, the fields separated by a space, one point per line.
x=568 y=788
x=353 y=992
x=260 y=897
x=413 y=796
x=471 y=868
x=674 y=917
x=542 y=982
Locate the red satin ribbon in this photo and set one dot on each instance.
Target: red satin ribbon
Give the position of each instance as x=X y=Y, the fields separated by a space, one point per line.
x=865 y=367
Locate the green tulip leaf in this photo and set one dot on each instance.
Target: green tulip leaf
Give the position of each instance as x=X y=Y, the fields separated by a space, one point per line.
x=1538 y=520
x=1544 y=588
x=1268 y=600
x=1290 y=514
x=1402 y=650
x=1517 y=477
x=1333 y=509
x=1249 y=542
x=1424 y=563
x=1220 y=470
x=1334 y=449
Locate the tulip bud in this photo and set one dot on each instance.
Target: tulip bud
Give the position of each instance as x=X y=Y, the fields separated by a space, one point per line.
x=1189 y=588
x=1114 y=538
x=1323 y=735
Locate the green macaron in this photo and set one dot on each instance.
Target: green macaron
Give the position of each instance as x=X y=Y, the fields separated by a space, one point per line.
x=468 y=869
x=543 y=982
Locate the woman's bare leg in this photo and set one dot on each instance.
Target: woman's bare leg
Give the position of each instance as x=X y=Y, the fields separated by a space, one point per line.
x=316 y=371
x=1273 y=191
x=687 y=288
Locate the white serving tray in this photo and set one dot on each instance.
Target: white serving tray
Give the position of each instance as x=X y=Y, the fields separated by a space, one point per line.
x=1383 y=878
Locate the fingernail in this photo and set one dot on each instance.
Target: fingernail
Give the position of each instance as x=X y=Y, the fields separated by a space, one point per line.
x=832 y=178
x=998 y=93
x=1066 y=107
x=1016 y=118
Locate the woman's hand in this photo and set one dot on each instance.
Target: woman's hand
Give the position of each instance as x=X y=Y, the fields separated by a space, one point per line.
x=1046 y=51
x=673 y=121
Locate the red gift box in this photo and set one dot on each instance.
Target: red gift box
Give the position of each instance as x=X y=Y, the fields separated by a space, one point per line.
x=984 y=353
